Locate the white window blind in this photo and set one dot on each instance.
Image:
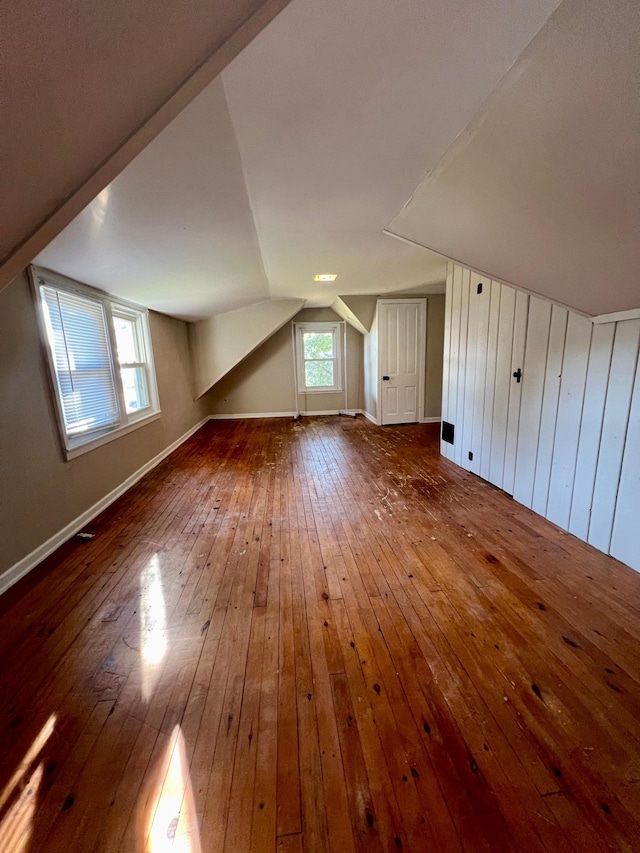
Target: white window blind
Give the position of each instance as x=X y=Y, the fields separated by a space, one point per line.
x=100 y=358
x=79 y=341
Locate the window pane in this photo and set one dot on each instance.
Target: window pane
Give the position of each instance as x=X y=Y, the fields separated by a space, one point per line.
x=318 y=345
x=318 y=374
x=77 y=332
x=134 y=386
x=126 y=340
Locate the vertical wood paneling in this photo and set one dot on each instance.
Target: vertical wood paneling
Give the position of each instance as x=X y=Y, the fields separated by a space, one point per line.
x=564 y=441
x=614 y=430
x=625 y=540
x=490 y=380
x=446 y=356
x=454 y=361
x=515 y=392
x=535 y=362
x=470 y=382
x=483 y=301
x=462 y=365
x=502 y=384
x=565 y=450
x=591 y=428
x=553 y=373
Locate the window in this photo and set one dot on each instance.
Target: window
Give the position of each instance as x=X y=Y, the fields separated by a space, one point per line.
x=99 y=353
x=319 y=357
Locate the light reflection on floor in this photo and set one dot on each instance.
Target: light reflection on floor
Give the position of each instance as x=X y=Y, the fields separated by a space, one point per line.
x=16 y=824
x=170 y=822
x=153 y=625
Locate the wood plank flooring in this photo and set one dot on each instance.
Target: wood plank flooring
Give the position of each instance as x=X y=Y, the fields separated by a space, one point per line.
x=320 y=636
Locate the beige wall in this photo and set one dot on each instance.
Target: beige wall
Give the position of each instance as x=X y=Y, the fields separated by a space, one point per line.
x=224 y=340
x=40 y=492
x=264 y=382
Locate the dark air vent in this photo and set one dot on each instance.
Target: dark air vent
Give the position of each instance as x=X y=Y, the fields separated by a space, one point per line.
x=448 y=431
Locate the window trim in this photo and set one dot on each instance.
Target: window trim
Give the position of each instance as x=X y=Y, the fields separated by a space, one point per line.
x=337 y=329
x=74 y=446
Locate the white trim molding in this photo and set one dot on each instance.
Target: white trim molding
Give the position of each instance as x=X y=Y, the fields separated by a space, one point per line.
x=26 y=564
x=616 y=316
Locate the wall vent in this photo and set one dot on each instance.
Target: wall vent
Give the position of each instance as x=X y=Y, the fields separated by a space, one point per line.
x=448 y=431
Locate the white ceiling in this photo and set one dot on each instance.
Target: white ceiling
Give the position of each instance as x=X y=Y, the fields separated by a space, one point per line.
x=174 y=231
x=339 y=109
x=85 y=86
x=543 y=189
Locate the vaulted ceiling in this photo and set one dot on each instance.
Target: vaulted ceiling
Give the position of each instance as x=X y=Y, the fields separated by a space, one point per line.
x=543 y=188
x=489 y=132
x=85 y=86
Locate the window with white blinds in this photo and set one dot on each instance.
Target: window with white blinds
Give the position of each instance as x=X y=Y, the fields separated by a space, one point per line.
x=100 y=359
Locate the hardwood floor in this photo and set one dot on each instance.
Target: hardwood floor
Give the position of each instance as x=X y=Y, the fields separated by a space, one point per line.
x=320 y=636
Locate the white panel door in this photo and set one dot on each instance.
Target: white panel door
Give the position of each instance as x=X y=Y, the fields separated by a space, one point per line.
x=535 y=363
x=401 y=355
x=515 y=390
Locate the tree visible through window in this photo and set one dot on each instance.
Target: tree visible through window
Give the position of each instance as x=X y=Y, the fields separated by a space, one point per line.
x=319 y=357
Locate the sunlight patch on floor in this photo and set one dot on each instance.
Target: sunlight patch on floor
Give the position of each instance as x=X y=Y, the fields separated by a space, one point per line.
x=21 y=795
x=153 y=625
x=170 y=820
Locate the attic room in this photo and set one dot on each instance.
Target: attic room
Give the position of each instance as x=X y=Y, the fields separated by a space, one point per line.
x=319 y=426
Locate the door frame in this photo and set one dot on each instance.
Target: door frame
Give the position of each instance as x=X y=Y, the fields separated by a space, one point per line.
x=421 y=301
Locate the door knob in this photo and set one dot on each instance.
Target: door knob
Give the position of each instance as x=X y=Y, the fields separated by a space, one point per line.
x=518 y=374
x=386 y=378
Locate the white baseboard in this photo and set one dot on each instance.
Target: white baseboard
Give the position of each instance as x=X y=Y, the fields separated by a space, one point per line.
x=243 y=416
x=246 y=415
x=377 y=423
x=24 y=566
x=322 y=412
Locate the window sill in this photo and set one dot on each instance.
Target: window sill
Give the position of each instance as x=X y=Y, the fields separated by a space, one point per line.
x=320 y=391
x=105 y=438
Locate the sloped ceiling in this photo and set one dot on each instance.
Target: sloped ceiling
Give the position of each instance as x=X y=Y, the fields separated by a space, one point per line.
x=175 y=230
x=543 y=188
x=338 y=109
x=85 y=86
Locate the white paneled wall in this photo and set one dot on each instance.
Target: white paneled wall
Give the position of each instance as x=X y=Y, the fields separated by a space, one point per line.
x=565 y=440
